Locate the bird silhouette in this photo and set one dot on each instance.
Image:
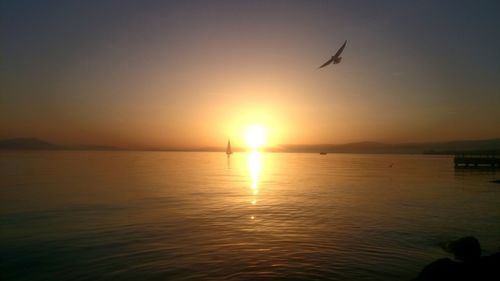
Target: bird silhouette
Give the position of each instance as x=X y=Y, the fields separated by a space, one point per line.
x=335 y=58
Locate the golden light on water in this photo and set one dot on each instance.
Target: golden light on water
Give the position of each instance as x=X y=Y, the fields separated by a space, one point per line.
x=255 y=168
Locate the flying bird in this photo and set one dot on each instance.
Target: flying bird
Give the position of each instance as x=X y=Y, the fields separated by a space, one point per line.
x=335 y=58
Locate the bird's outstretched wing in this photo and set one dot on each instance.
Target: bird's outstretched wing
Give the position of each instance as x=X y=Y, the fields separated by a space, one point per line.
x=326 y=63
x=337 y=54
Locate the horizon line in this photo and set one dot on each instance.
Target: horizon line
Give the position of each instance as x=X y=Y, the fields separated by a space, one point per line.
x=32 y=143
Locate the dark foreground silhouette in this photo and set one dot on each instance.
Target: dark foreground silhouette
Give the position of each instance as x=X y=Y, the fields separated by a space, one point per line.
x=469 y=265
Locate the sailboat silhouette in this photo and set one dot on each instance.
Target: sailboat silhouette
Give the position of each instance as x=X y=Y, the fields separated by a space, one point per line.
x=228 y=149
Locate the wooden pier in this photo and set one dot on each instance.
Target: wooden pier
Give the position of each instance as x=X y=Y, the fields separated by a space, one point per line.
x=477 y=161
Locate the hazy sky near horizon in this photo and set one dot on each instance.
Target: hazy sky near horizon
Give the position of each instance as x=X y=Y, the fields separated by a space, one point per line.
x=194 y=73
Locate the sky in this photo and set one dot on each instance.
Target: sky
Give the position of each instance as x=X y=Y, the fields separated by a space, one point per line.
x=196 y=73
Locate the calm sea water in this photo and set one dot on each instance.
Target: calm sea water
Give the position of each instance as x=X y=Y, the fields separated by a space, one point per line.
x=200 y=216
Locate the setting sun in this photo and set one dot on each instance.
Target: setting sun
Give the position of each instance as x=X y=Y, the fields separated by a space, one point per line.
x=255 y=136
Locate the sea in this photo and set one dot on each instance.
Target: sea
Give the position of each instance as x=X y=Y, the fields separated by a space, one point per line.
x=126 y=215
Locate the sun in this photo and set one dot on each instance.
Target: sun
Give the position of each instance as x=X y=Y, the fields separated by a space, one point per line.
x=256 y=136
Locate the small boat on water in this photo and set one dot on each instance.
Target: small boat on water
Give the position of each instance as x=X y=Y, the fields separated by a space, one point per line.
x=229 y=151
x=322 y=153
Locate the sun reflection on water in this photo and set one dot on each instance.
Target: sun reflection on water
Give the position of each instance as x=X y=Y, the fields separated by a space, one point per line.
x=255 y=168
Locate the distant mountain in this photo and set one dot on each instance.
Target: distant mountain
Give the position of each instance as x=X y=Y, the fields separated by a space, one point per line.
x=93 y=147
x=491 y=145
x=451 y=147
x=27 y=143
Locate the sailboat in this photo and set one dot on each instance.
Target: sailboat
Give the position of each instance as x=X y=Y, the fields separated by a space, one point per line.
x=228 y=149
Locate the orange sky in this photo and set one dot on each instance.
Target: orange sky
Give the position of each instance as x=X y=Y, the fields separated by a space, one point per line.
x=191 y=75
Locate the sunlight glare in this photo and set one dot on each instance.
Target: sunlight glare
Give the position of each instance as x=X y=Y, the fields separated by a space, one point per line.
x=255 y=137
x=255 y=166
